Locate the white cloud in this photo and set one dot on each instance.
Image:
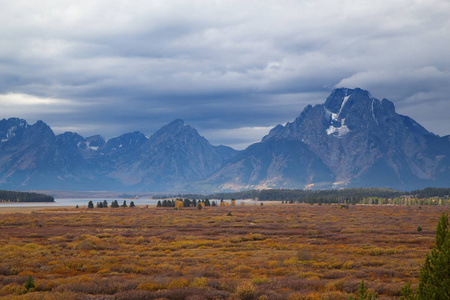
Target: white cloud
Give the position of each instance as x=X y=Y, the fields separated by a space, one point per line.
x=19 y=102
x=240 y=138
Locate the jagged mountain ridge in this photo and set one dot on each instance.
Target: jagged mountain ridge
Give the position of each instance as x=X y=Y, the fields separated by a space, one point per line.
x=33 y=157
x=172 y=156
x=351 y=140
x=360 y=140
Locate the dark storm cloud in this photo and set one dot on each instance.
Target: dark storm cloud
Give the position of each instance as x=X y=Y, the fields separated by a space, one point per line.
x=231 y=69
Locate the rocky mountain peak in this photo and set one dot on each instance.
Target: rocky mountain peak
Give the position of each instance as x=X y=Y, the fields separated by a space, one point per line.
x=176 y=131
x=9 y=128
x=175 y=125
x=352 y=139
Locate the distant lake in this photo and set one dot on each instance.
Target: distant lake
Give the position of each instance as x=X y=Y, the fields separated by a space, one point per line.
x=79 y=201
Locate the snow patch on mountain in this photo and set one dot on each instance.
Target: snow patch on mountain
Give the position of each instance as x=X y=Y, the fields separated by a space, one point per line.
x=10 y=134
x=341 y=130
x=338 y=131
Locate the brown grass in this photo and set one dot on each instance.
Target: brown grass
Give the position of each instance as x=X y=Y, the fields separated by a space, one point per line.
x=259 y=252
x=27 y=210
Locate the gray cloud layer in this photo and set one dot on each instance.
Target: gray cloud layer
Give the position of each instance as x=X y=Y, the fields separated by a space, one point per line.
x=229 y=68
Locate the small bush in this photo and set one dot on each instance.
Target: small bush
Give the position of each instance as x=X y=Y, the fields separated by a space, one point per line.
x=246 y=291
x=199 y=282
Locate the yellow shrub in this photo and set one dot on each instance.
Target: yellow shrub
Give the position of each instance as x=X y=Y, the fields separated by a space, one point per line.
x=199 y=282
x=260 y=280
x=178 y=283
x=273 y=263
x=246 y=291
x=13 y=289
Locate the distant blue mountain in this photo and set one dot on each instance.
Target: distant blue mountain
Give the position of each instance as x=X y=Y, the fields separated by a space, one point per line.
x=352 y=140
x=32 y=157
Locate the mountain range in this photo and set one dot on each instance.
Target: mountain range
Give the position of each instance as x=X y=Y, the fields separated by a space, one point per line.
x=351 y=140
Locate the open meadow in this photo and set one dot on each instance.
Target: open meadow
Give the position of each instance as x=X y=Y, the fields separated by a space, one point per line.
x=280 y=251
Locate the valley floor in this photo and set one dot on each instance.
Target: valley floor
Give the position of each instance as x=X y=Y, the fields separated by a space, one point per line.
x=285 y=251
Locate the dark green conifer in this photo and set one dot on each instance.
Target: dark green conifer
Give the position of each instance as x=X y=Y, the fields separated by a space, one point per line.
x=434 y=277
x=29 y=284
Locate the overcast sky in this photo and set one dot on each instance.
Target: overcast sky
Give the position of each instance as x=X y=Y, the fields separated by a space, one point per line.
x=231 y=69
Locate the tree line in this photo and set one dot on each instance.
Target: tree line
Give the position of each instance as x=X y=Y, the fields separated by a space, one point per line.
x=12 y=196
x=431 y=192
x=350 y=195
x=114 y=204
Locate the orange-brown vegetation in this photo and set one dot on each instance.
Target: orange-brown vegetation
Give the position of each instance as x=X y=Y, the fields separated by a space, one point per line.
x=293 y=251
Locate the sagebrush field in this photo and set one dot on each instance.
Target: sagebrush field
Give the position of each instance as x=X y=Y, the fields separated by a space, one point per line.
x=289 y=251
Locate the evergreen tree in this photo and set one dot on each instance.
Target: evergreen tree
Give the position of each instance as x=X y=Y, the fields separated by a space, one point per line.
x=363 y=294
x=124 y=203
x=90 y=204
x=105 y=204
x=434 y=277
x=29 y=284
x=115 y=204
x=159 y=203
x=132 y=204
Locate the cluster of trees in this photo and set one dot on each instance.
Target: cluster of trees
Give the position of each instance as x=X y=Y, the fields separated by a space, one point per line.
x=431 y=192
x=179 y=202
x=186 y=202
x=406 y=201
x=11 y=196
x=115 y=203
x=351 y=196
x=250 y=194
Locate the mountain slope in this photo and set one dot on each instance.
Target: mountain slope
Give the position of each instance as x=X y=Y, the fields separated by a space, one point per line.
x=360 y=140
x=33 y=157
x=174 y=155
x=273 y=163
x=351 y=140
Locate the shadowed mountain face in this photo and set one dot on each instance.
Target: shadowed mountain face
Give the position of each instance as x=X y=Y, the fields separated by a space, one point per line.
x=173 y=156
x=32 y=157
x=351 y=140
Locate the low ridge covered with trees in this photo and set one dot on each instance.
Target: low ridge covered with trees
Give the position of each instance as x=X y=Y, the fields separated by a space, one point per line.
x=428 y=196
x=11 y=196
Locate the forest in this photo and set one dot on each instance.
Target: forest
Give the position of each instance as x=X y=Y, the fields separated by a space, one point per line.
x=12 y=196
x=350 y=195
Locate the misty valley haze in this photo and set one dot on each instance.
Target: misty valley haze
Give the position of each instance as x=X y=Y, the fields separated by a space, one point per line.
x=352 y=140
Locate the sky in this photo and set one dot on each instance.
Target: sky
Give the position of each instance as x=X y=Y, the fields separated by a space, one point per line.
x=230 y=69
